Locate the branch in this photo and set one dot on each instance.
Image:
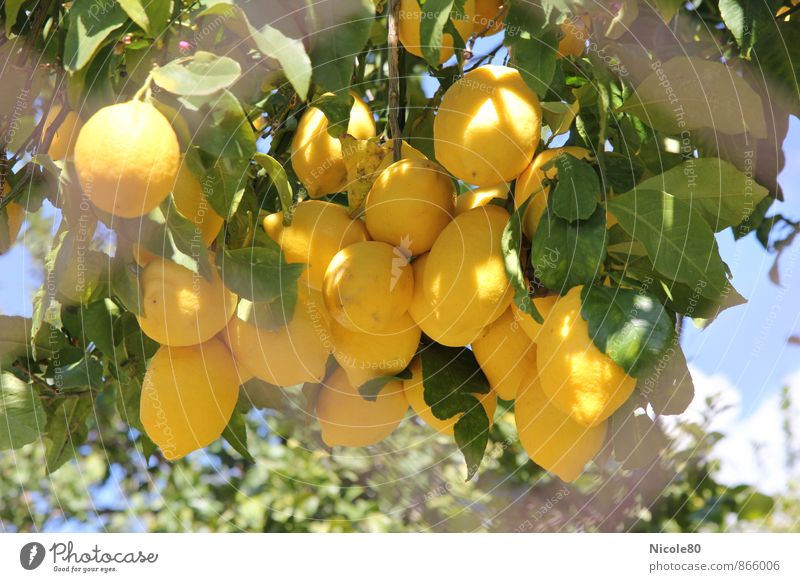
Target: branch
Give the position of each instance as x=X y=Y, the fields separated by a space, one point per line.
x=394 y=79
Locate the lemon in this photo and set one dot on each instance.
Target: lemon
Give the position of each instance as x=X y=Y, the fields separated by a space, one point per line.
x=506 y=354
x=552 y=439
x=127 y=158
x=62 y=146
x=15 y=216
x=317 y=157
x=318 y=231
x=410 y=19
x=481 y=197
x=529 y=325
x=428 y=319
x=290 y=355
x=577 y=377
x=409 y=204
x=181 y=308
x=364 y=356
x=188 y=397
x=531 y=182
x=486 y=17
x=349 y=420
x=415 y=394
x=487 y=127
x=465 y=277
x=368 y=285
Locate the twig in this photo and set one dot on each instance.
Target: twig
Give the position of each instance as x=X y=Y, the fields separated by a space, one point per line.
x=394 y=79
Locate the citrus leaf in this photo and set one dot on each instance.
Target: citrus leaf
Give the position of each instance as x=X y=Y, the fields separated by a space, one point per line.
x=472 y=436
x=450 y=378
x=431 y=29
x=15 y=340
x=12 y=12
x=678 y=96
x=668 y=386
x=511 y=242
x=66 y=429
x=235 y=434
x=636 y=439
x=258 y=273
x=558 y=116
x=203 y=74
x=151 y=15
x=22 y=417
x=86 y=372
x=336 y=107
x=566 y=254
x=278 y=176
x=678 y=240
x=89 y=24
x=630 y=326
x=724 y=195
x=667 y=8
x=342 y=29
x=534 y=55
x=370 y=389
x=577 y=190
x=262 y=395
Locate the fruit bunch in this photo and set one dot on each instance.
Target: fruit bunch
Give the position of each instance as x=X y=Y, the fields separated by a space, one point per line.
x=413 y=269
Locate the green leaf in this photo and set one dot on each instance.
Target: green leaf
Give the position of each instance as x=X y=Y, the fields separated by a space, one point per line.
x=15 y=338
x=100 y=325
x=124 y=284
x=668 y=386
x=755 y=506
x=535 y=58
x=12 y=12
x=66 y=430
x=278 y=176
x=622 y=173
x=151 y=15
x=203 y=74
x=636 y=439
x=87 y=372
x=450 y=375
x=258 y=273
x=577 y=190
x=271 y=42
x=262 y=395
x=716 y=188
x=236 y=435
x=558 y=116
x=511 y=243
x=566 y=254
x=129 y=400
x=667 y=8
x=336 y=107
x=630 y=326
x=22 y=417
x=472 y=436
x=687 y=300
x=89 y=24
x=226 y=145
x=679 y=242
x=370 y=389
x=342 y=29
x=777 y=57
x=678 y=96
x=431 y=29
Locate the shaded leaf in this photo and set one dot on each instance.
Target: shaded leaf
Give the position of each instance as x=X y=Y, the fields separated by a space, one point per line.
x=22 y=417
x=577 y=190
x=511 y=243
x=203 y=74
x=89 y=24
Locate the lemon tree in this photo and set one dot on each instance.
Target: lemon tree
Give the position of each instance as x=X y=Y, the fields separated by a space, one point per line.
x=383 y=211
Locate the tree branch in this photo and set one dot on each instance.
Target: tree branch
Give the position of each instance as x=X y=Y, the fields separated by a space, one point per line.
x=394 y=78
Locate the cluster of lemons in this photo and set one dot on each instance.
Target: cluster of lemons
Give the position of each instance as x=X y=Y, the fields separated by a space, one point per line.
x=418 y=259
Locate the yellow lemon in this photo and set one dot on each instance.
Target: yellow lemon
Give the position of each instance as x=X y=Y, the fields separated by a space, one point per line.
x=409 y=205
x=487 y=17
x=488 y=126
x=428 y=319
x=129 y=170
x=181 y=308
x=575 y=34
x=317 y=157
x=368 y=286
x=577 y=377
x=15 y=216
x=410 y=19
x=506 y=354
x=531 y=182
x=529 y=325
x=349 y=420
x=552 y=439
x=62 y=146
x=465 y=277
x=188 y=397
x=415 y=394
x=318 y=231
x=290 y=355
x=364 y=356
x=481 y=197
